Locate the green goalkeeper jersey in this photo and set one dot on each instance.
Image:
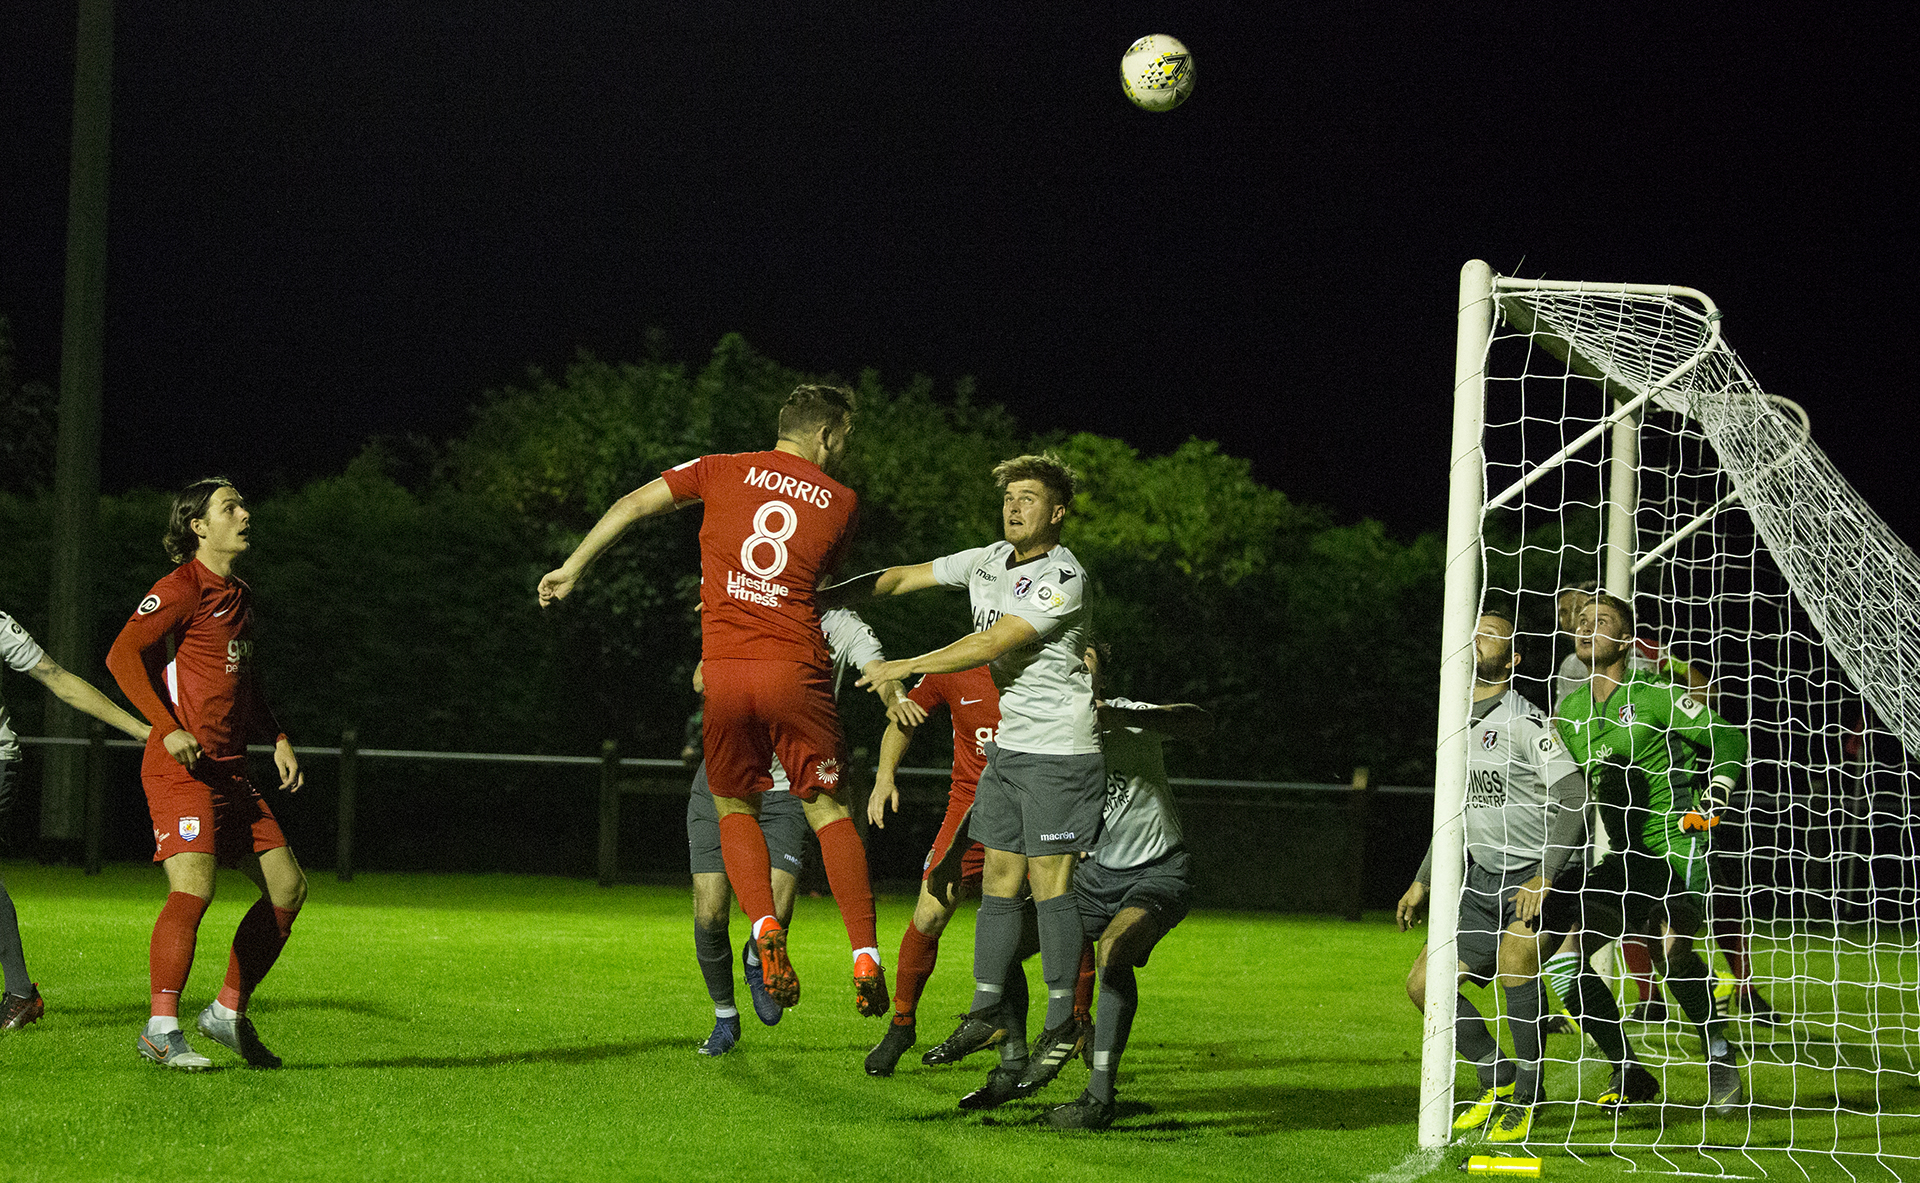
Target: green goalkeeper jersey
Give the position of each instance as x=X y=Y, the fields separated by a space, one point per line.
x=1649 y=751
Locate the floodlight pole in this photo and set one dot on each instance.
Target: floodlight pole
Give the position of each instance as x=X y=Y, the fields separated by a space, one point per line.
x=76 y=470
x=1466 y=493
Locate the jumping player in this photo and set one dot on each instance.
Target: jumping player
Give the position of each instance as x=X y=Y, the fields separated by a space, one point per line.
x=784 y=822
x=774 y=526
x=205 y=704
x=21 y=1003
x=1136 y=886
x=1038 y=805
x=1661 y=765
x=973 y=702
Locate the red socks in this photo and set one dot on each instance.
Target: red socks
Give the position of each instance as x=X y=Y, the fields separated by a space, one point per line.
x=1639 y=964
x=170 y=956
x=257 y=943
x=743 y=848
x=846 y=865
x=918 y=953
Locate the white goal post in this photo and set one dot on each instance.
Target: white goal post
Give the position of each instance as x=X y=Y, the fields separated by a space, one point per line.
x=1608 y=433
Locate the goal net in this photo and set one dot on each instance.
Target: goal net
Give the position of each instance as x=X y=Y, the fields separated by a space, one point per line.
x=1607 y=436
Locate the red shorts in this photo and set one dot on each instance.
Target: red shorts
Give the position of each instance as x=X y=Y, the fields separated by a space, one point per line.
x=973 y=860
x=759 y=711
x=211 y=809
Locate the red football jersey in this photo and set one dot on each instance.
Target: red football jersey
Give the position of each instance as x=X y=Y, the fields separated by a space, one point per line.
x=774 y=526
x=207 y=621
x=974 y=702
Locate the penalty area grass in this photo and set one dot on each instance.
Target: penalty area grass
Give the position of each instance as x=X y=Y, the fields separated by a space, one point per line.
x=518 y=1027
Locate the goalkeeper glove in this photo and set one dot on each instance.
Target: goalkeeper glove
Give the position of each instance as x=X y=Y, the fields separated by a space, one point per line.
x=1706 y=814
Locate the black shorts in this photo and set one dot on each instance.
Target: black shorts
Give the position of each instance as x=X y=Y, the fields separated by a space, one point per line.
x=1629 y=894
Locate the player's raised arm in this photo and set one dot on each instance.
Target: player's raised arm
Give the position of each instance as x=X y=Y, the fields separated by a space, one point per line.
x=892 y=581
x=81 y=695
x=649 y=500
x=1008 y=633
x=1179 y=720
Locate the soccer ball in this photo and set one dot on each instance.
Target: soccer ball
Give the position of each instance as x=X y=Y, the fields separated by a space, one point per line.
x=1157 y=73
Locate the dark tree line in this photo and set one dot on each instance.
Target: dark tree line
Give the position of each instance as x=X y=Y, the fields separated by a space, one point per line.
x=397 y=596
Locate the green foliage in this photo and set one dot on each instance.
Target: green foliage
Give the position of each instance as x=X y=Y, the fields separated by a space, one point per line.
x=408 y=613
x=28 y=415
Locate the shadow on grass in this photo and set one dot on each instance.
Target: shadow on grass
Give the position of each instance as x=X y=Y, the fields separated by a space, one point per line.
x=586 y=1054
x=121 y=1015
x=1233 y=1111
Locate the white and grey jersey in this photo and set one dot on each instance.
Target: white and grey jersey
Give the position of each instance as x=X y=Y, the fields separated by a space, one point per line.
x=851 y=643
x=17 y=652
x=1514 y=756
x=1139 y=822
x=1046 y=692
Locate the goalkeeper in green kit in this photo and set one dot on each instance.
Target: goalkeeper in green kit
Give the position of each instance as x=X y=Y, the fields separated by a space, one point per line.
x=1660 y=767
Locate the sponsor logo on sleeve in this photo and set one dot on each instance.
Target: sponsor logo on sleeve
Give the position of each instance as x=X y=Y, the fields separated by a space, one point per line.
x=1050 y=597
x=1549 y=744
x=189 y=829
x=827 y=772
x=1689 y=706
x=147 y=605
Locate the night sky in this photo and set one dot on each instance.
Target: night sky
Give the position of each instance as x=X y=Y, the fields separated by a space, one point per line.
x=334 y=219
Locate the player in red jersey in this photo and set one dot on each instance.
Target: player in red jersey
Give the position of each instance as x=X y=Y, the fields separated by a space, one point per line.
x=974 y=704
x=205 y=706
x=773 y=528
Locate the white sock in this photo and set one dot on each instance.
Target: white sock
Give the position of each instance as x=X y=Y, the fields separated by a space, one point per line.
x=222 y=1012
x=161 y=1024
x=726 y=1012
x=869 y=951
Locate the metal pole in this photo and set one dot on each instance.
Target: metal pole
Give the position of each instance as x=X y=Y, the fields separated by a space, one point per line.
x=1359 y=822
x=1623 y=499
x=1466 y=491
x=349 y=803
x=609 y=812
x=76 y=466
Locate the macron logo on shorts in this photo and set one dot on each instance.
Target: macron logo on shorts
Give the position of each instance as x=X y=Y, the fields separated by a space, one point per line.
x=1063 y=837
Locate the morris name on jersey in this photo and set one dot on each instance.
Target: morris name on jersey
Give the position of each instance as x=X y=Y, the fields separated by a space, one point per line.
x=788 y=486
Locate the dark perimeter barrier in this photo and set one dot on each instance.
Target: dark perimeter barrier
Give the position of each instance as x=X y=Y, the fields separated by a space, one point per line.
x=1334 y=849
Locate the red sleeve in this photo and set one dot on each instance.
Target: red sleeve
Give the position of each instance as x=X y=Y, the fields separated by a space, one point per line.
x=685 y=481
x=138 y=658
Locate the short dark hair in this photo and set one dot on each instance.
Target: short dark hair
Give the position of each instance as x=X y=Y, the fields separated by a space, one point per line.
x=1045 y=467
x=1618 y=605
x=180 y=541
x=811 y=407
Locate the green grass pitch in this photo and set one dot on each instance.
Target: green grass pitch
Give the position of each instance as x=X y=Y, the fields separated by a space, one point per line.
x=503 y=1028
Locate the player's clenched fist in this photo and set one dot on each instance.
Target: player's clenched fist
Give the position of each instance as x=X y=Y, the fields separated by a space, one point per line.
x=555 y=585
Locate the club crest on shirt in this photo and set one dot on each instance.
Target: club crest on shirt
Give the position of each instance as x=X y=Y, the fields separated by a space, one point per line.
x=1488 y=738
x=189 y=828
x=1022 y=586
x=1626 y=713
x=147 y=605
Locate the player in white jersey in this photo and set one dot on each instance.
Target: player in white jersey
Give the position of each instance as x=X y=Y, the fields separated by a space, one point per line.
x=1135 y=886
x=20 y=1003
x=1038 y=805
x=1525 y=824
x=850 y=644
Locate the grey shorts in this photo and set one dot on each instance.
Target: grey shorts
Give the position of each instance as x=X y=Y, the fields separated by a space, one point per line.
x=1163 y=887
x=1486 y=909
x=1039 y=805
x=782 y=819
x=1632 y=893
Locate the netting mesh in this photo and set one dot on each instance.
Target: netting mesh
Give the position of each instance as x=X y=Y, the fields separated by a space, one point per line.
x=1759 y=568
